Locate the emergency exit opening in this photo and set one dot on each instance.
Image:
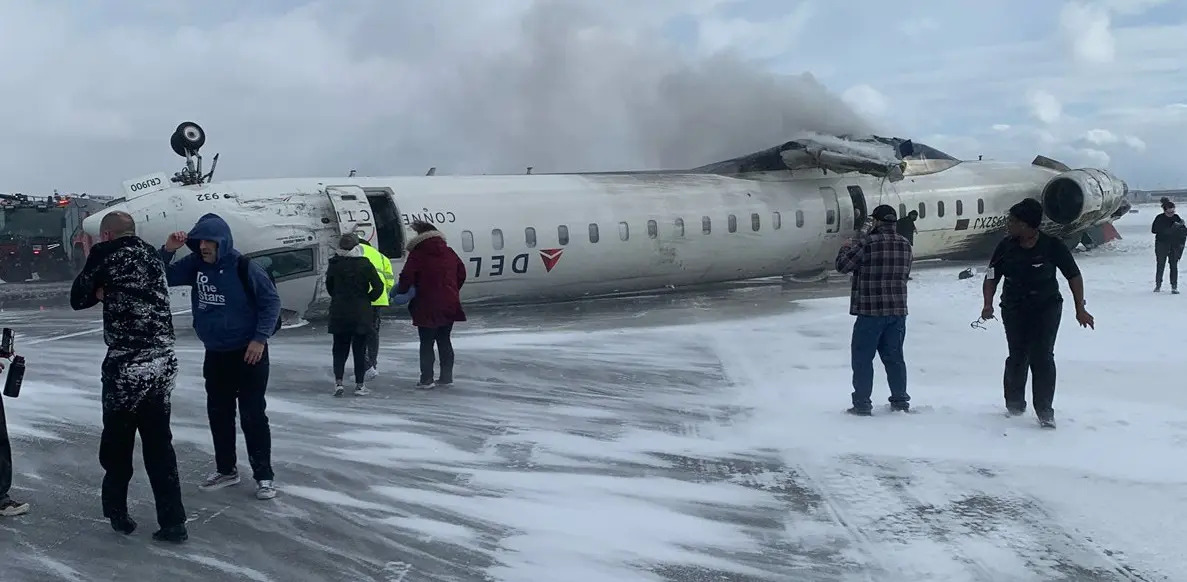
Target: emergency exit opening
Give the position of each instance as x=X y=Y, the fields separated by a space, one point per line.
x=389 y=232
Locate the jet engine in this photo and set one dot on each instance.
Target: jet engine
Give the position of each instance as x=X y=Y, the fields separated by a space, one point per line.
x=1083 y=196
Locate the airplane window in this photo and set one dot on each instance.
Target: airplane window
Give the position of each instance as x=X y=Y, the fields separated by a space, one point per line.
x=286 y=263
x=624 y=231
x=593 y=232
x=830 y=217
x=959 y=207
x=902 y=210
x=529 y=237
x=496 y=238
x=652 y=229
x=706 y=225
x=940 y=208
x=799 y=219
x=679 y=227
x=467 y=241
x=776 y=220
x=562 y=235
x=732 y=223
x=922 y=210
x=754 y=224
x=980 y=206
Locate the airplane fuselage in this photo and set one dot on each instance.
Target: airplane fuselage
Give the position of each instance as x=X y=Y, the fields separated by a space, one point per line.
x=528 y=238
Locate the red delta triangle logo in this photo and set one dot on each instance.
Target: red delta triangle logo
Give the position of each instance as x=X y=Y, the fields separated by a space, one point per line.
x=550 y=257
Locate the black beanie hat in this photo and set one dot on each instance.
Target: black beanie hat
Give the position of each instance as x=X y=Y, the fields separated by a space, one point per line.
x=1029 y=211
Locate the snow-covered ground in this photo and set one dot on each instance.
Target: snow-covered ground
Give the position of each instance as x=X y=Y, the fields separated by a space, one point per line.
x=689 y=439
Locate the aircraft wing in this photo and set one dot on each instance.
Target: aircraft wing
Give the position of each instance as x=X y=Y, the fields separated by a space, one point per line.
x=875 y=156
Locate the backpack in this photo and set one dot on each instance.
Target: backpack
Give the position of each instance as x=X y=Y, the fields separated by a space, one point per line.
x=244 y=264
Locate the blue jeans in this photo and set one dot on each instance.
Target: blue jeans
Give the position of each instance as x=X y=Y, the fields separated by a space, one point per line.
x=884 y=335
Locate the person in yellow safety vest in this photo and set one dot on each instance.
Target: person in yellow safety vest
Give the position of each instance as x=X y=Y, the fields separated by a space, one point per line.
x=384 y=267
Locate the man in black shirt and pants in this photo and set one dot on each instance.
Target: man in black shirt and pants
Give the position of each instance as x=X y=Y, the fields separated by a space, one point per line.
x=1031 y=306
x=125 y=273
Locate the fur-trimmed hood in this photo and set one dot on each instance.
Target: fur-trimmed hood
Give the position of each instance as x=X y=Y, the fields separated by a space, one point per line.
x=416 y=240
x=355 y=252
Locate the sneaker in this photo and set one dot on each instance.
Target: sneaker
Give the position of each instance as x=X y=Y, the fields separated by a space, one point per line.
x=424 y=384
x=10 y=508
x=445 y=381
x=1174 y=290
x=1158 y=288
x=1015 y=411
x=218 y=481
x=1048 y=422
x=265 y=490
x=338 y=390
x=859 y=412
x=900 y=407
x=173 y=534
x=372 y=373
x=361 y=390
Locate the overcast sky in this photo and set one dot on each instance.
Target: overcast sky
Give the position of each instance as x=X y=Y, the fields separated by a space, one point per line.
x=92 y=89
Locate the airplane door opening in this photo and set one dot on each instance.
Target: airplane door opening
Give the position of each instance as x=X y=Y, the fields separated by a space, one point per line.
x=389 y=233
x=860 y=212
x=832 y=209
x=354 y=213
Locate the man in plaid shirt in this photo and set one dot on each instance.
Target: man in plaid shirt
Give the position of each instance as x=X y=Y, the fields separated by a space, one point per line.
x=880 y=262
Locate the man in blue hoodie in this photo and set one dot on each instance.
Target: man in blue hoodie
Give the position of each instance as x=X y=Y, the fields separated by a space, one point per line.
x=235 y=329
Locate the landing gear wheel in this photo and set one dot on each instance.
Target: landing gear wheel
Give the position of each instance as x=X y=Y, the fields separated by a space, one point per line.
x=187 y=136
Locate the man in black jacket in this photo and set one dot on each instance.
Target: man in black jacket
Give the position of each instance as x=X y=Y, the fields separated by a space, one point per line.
x=125 y=273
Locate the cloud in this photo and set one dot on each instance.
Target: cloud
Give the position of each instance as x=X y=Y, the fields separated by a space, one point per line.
x=1101 y=137
x=324 y=87
x=1044 y=106
x=1086 y=28
x=866 y=100
x=93 y=88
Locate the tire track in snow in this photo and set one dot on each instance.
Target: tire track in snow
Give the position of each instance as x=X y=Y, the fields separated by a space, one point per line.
x=947 y=527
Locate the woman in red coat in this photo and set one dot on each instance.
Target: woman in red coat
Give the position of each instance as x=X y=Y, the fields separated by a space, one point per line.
x=437 y=273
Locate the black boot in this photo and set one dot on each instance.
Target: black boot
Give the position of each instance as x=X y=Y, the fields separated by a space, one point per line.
x=174 y=533
x=123 y=524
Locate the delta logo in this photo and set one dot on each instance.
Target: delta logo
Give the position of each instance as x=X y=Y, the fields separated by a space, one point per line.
x=550 y=257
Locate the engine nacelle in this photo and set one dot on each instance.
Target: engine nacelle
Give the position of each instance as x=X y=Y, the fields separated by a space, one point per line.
x=1083 y=196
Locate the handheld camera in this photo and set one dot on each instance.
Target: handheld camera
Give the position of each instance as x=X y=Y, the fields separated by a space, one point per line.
x=16 y=369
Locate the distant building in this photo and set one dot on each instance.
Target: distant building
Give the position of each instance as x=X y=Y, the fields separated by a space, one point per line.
x=1146 y=196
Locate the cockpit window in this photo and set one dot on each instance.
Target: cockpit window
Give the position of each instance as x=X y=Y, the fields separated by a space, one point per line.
x=286 y=263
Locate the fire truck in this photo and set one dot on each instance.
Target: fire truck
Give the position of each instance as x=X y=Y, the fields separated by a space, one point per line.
x=41 y=238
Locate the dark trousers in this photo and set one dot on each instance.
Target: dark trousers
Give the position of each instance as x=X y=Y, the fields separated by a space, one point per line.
x=150 y=418
x=883 y=335
x=1030 y=337
x=1164 y=253
x=5 y=456
x=439 y=336
x=373 y=339
x=231 y=381
x=344 y=344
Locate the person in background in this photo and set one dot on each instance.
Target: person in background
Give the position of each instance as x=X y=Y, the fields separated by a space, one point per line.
x=880 y=262
x=236 y=309
x=383 y=266
x=905 y=226
x=138 y=373
x=1170 y=234
x=438 y=274
x=9 y=507
x=1031 y=306
x=353 y=285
